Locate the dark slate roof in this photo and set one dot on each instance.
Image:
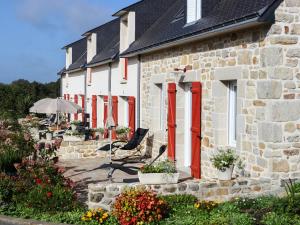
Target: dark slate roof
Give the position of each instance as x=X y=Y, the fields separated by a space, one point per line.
x=62 y=71
x=171 y=26
x=79 y=54
x=146 y=13
x=108 y=36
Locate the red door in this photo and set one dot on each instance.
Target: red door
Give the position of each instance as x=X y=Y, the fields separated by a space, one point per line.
x=94 y=111
x=65 y=96
x=196 y=129
x=76 y=102
x=171 y=120
x=83 y=107
x=131 y=115
x=69 y=116
x=105 y=114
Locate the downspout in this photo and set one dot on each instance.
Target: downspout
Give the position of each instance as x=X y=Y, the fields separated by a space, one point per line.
x=85 y=97
x=109 y=77
x=138 y=97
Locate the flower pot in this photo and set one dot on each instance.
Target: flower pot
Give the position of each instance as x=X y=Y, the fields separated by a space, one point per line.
x=74 y=138
x=73 y=127
x=49 y=136
x=158 y=178
x=122 y=137
x=226 y=173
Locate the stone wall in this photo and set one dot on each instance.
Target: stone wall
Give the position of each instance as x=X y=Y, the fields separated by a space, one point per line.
x=265 y=62
x=103 y=195
x=79 y=150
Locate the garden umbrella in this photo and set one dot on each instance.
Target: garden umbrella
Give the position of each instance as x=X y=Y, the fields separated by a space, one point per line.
x=55 y=106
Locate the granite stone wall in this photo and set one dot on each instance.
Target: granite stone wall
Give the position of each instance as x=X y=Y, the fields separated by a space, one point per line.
x=264 y=60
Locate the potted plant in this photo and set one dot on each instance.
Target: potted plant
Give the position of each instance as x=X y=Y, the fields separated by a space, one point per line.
x=122 y=133
x=71 y=135
x=75 y=124
x=97 y=133
x=224 y=162
x=160 y=173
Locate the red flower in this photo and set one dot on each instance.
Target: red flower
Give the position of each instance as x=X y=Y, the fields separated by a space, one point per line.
x=49 y=194
x=38 y=181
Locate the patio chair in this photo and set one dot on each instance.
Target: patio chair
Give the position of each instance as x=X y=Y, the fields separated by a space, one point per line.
x=48 y=121
x=132 y=148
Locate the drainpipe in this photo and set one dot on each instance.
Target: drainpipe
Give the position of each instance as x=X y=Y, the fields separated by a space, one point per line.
x=138 y=97
x=109 y=77
x=85 y=96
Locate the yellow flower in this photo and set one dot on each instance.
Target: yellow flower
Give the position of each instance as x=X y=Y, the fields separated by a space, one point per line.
x=101 y=221
x=89 y=214
x=105 y=215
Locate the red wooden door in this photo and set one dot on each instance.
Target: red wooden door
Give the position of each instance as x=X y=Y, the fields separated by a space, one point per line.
x=131 y=115
x=94 y=111
x=76 y=102
x=65 y=96
x=105 y=114
x=171 y=120
x=196 y=129
x=83 y=107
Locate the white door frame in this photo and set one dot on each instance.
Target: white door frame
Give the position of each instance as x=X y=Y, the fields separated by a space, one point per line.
x=187 y=125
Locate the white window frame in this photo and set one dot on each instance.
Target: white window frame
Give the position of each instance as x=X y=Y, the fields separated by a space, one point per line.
x=161 y=106
x=232 y=113
x=126 y=112
x=194 y=10
x=188 y=125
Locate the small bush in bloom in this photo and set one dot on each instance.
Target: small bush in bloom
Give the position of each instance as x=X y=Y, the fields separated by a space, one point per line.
x=206 y=205
x=138 y=206
x=99 y=215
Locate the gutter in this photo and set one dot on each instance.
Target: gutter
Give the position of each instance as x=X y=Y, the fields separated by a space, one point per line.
x=75 y=70
x=138 y=100
x=99 y=63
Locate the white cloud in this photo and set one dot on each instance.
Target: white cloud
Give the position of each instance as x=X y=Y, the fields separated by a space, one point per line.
x=68 y=15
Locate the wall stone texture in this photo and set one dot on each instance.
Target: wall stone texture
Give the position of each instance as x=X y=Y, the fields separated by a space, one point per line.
x=79 y=150
x=265 y=62
x=103 y=195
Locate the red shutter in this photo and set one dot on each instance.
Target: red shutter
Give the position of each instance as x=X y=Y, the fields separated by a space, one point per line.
x=171 y=120
x=115 y=114
x=94 y=111
x=131 y=115
x=68 y=115
x=68 y=97
x=65 y=96
x=105 y=111
x=83 y=107
x=196 y=129
x=125 y=68
x=76 y=102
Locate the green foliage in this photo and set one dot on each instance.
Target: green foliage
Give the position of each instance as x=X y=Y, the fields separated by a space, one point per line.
x=274 y=218
x=160 y=167
x=122 y=130
x=224 y=159
x=293 y=195
x=76 y=122
x=139 y=206
x=14 y=145
x=16 y=98
x=183 y=199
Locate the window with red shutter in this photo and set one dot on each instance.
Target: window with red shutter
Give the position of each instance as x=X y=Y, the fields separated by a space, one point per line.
x=83 y=107
x=171 y=121
x=125 y=69
x=131 y=115
x=76 y=102
x=94 y=111
x=196 y=129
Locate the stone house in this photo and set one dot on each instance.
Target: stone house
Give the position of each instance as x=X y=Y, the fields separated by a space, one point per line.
x=222 y=73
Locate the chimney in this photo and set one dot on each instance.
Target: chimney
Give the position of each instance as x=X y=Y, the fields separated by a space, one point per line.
x=68 y=57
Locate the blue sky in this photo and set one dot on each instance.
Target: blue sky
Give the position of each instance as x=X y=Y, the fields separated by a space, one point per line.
x=33 y=32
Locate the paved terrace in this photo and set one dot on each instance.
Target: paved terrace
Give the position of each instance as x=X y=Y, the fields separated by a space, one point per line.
x=95 y=170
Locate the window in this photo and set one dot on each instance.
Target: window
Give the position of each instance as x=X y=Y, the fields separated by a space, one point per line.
x=232 y=113
x=194 y=10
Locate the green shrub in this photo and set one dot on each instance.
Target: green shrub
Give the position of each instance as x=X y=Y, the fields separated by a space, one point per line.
x=274 y=218
x=137 y=205
x=160 y=167
x=183 y=199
